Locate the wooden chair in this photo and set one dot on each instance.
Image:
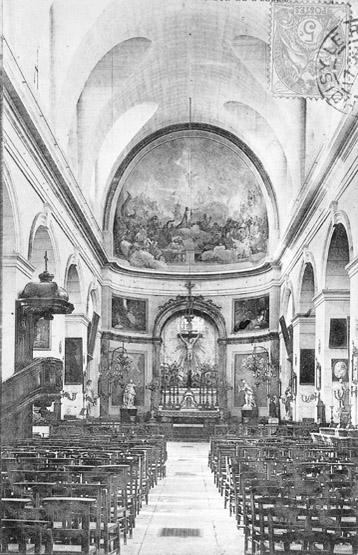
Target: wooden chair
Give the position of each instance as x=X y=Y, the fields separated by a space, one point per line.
x=22 y=530
x=118 y=512
x=106 y=534
x=70 y=520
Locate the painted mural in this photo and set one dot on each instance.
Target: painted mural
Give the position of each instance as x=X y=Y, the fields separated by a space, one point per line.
x=243 y=381
x=196 y=202
x=136 y=377
x=129 y=314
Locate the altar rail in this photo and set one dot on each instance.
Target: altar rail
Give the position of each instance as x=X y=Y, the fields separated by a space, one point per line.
x=173 y=397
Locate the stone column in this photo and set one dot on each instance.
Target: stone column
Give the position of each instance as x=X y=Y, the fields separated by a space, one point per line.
x=223 y=377
x=329 y=304
x=352 y=270
x=303 y=338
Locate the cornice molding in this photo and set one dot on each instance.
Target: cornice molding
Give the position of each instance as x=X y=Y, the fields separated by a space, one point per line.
x=331 y=295
x=77 y=318
x=129 y=339
x=116 y=267
x=19 y=262
x=249 y=339
x=303 y=320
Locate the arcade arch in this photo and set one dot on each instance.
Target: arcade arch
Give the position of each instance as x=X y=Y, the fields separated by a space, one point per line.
x=41 y=244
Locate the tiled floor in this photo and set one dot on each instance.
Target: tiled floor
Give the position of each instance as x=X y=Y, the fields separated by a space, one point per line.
x=186 y=498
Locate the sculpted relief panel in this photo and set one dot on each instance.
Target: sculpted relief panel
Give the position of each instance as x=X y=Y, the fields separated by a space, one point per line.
x=191 y=201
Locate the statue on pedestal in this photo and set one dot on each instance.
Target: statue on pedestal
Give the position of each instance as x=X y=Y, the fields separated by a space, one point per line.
x=90 y=398
x=273 y=406
x=288 y=402
x=129 y=395
x=250 y=402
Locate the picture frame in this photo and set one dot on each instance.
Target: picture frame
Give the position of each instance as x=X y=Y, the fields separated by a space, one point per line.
x=129 y=314
x=338 y=333
x=307 y=366
x=42 y=335
x=92 y=334
x=339 y=369
x=318 y=375
x=73 y=361
x=251 y=314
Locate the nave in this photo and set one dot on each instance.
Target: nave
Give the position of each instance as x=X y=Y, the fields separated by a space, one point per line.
x=183 y=504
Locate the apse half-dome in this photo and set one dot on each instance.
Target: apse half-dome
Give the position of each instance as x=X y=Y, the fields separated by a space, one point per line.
x=191 y=200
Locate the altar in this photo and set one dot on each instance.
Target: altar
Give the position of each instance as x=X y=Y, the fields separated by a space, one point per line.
x=189 y=413
x=189 y=384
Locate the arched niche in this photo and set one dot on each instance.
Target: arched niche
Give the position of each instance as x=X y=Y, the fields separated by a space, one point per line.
x=307 y=293
x=73 y=287
x=177 y=308
x=338 y=257
x=40 y=244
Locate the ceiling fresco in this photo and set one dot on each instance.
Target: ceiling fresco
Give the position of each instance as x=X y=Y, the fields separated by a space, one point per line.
x=190 y=201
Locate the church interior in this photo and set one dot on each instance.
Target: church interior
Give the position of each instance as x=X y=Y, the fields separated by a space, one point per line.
x=180 y=275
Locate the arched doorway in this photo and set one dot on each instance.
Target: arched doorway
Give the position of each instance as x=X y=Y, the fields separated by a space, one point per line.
x=337 y=325
x=305 y=334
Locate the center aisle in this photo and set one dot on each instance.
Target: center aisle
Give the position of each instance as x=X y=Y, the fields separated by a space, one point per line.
x=185 y=514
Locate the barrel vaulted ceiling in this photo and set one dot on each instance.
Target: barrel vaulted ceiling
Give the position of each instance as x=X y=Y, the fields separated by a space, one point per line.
x=113 y=72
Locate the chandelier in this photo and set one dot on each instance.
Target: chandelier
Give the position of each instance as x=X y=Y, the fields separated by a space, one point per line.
x=119 y=367
x=258 y=363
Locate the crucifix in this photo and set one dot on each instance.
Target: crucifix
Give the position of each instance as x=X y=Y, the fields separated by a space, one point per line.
x=189 y=287
x=189 y=315
x=46 y=260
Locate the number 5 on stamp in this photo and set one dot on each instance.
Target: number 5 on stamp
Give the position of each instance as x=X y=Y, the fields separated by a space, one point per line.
x=298 y=31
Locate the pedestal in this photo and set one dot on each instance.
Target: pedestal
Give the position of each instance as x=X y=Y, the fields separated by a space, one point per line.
x=248 y=415
x=128 y=415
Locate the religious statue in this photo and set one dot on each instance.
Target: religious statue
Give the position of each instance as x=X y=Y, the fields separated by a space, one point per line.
x=129 y=395
x=89 y=397
x=288 y=401
x=273 y=406
x=250 y=402
x=154 y=387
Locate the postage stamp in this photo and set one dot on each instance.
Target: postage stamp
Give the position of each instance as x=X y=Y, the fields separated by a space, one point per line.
x=298 y=31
